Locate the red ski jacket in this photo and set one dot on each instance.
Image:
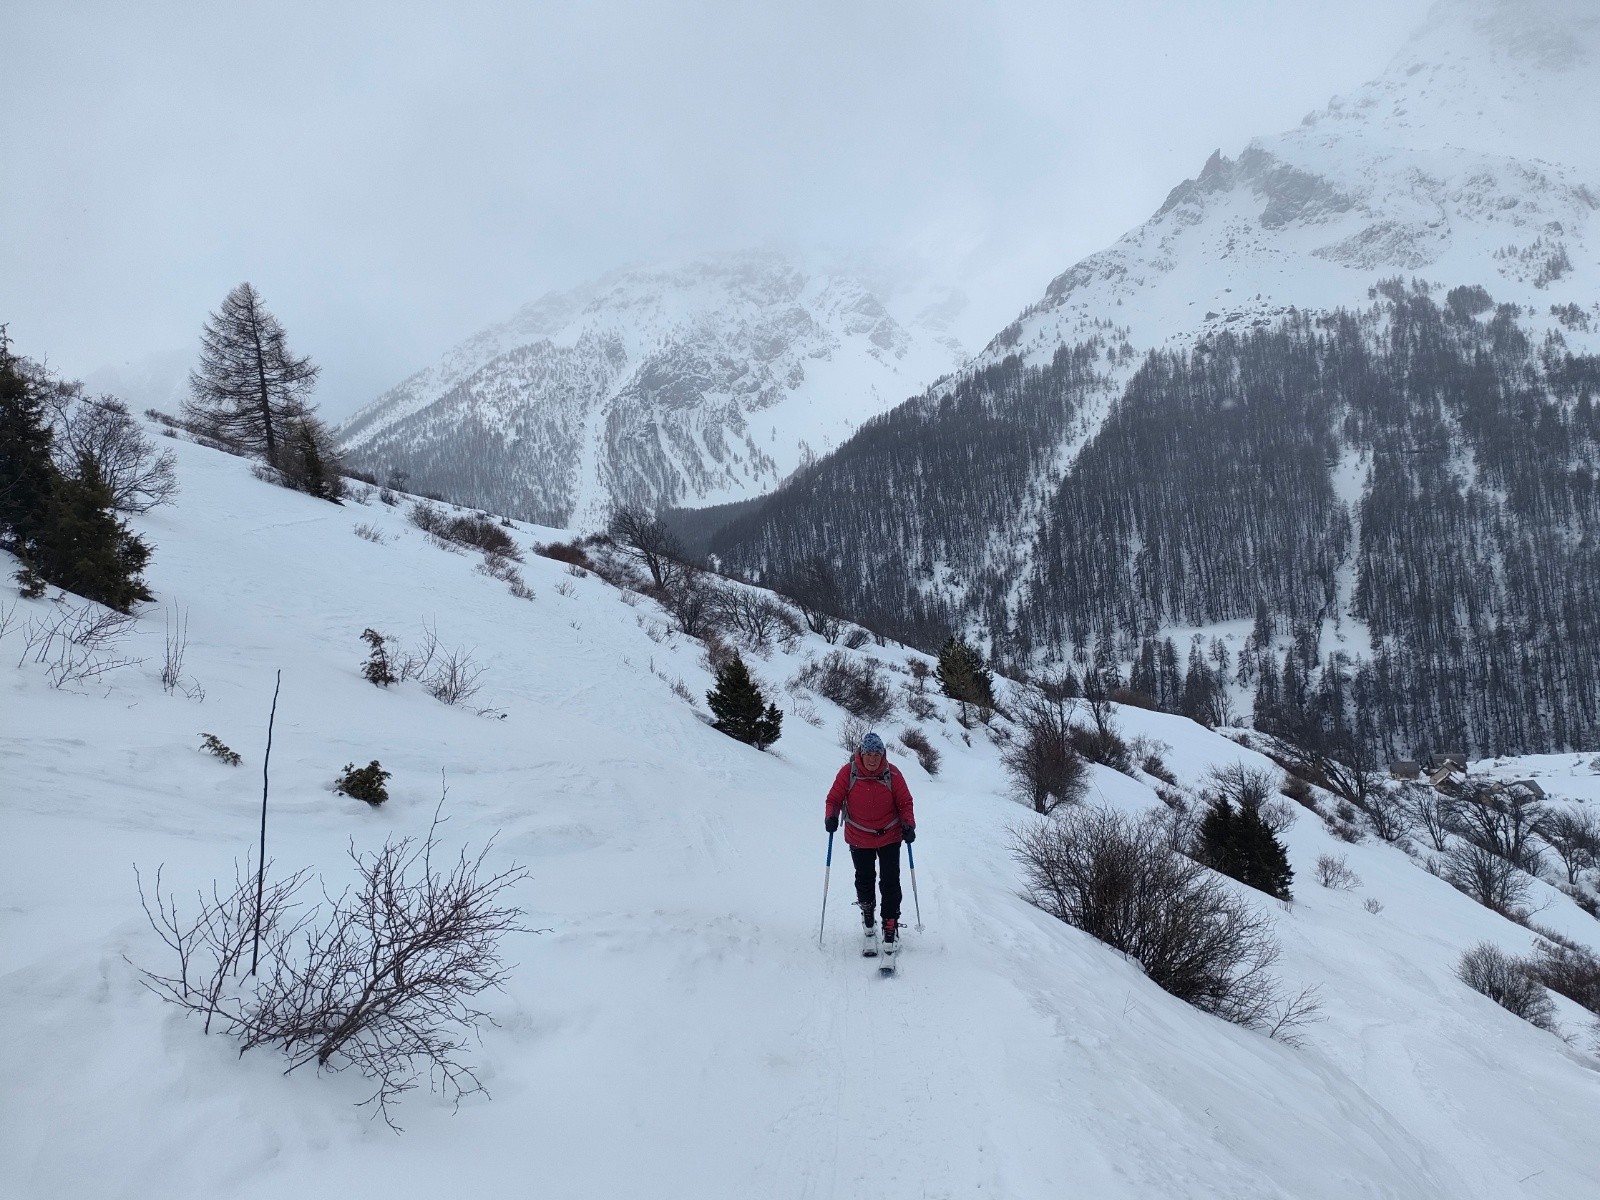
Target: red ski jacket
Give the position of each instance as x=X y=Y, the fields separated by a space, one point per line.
x=876 y=810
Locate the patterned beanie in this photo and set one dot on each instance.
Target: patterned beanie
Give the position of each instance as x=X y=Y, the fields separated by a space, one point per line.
x=872 y=744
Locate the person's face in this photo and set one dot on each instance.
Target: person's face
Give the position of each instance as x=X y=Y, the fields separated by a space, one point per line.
x=872 y=761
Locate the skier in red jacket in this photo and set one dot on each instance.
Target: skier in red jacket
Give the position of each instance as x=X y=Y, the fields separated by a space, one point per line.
x=871 y=796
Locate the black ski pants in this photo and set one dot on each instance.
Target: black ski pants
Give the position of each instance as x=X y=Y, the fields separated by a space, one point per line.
x=885 y=861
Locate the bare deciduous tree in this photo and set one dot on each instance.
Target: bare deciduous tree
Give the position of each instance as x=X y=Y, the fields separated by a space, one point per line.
x=1503 y=819
x=1491 y=880
x=100 y=428
x=643 y=535
x=815 y=591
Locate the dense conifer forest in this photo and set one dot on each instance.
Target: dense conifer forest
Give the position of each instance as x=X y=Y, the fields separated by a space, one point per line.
x=1424 y=466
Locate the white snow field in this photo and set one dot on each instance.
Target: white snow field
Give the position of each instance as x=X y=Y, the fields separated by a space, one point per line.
x=678 y=1032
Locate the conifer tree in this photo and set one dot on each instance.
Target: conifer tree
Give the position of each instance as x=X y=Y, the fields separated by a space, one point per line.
x=963 y=676
x=1237 y=842
x=248 y=390
x=85 y=548
x=741 y=710
x=26 y=474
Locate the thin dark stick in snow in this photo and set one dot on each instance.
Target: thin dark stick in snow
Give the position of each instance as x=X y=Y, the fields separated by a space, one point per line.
x=261 y=859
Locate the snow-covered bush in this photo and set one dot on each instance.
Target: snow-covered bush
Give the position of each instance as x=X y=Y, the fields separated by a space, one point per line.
x=1509 y=982
x=1123 y=882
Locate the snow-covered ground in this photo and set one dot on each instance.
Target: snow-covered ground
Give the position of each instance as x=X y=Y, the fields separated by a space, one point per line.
x=678 y=1032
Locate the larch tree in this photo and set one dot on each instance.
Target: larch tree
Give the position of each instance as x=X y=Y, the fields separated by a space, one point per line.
x=249 y=390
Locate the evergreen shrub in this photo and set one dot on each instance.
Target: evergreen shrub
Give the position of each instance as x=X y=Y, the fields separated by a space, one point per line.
x=364 y=783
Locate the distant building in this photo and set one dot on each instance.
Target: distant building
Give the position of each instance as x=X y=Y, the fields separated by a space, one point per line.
x=1449 y=758
x=1405 y=768
x=1529 y=786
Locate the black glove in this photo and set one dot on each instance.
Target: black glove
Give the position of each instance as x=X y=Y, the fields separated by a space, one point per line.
x=830 y=823
x=910 y=834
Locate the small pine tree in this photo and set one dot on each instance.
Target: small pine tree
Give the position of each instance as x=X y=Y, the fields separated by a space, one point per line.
x=85 y=548
x=1238 y=843
x=212 y=744
x=962 y=675
x=364 y=783
x=741 y=711
x=379 y=671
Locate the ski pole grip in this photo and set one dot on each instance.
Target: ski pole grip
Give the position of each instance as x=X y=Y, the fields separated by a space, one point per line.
x=830 y=850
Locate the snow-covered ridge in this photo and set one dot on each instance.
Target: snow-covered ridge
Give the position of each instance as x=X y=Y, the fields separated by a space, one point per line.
x=1471 y=160
x=697 y=382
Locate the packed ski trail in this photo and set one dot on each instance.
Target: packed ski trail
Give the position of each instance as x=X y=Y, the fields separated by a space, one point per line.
x=676 y=1031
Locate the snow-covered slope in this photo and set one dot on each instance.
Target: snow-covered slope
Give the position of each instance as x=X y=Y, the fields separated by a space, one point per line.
x=694 y=383
x=1471 y=160
x=678 y=1032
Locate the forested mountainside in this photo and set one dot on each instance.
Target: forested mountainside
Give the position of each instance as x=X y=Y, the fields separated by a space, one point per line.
x=1421 y=470
x=700 y=382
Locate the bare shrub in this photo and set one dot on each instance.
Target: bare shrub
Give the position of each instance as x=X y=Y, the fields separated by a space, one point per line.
x=384 y=977
x=1253 y=788
x=497 y=566
x=760 y=618
x=1507 y=981
x=1492 y=881
x=1147 y=752
x=1104 y=746
x=565 y=589
x=1387 y=812
x=455 y=677
x=857 y=685
x=1045 y=768
x=1123 y=882
x=1373 y=905
x=694 y=601
x=855 y=639
x=851 y=731
x=1575 y=837
x=177 y=646
x=914 y=740
x=1299 y=791
x=570 y=553
x=78 y=643
x=370 y=533
x=101 y=429
x=470 y=530
x=1336 y=873
x=1568 y=969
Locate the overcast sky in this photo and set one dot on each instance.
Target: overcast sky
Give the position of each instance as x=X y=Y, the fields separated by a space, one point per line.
x=394 y=175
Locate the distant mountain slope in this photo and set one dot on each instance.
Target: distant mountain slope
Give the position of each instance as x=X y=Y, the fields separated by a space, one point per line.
x=704 y=382
x=1249 y=406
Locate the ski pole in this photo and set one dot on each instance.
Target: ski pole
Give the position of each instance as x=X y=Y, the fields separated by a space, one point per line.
x=827 y=874
x=911 y=855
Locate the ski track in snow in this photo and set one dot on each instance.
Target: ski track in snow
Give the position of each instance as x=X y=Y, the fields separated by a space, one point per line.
x=677 y=1032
